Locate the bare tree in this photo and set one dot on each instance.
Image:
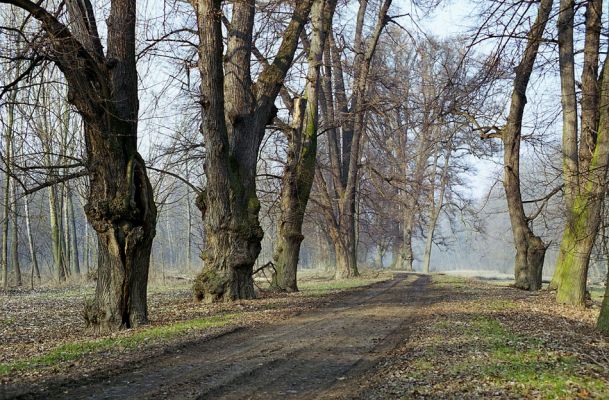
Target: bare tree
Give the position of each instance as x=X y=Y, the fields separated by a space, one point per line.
x=339 y=194
x=235 y=114
x=530 y=249
x=103 y=88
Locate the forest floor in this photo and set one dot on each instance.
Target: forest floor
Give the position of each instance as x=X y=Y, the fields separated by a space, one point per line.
x=378 y=337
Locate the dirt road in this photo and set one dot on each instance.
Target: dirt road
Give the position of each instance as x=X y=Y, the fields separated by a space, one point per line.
x=318 y=354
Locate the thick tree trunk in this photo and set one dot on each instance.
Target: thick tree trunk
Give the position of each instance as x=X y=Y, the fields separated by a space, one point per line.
x=346 y=266
x=296 y=187
x=234 y=121
x=568 y=100
x=579 y=235
x=406 y=254
x=588 y=141
x=120 y=204
x=232 y=242
x=302 y=150
x=121 y=209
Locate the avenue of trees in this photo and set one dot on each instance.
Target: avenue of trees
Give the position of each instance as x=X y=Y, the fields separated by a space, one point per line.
x=216 y=139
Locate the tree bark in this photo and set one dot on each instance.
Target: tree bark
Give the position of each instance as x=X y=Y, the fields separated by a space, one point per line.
x=234 y=121
x=8 y=137
x=15 y=231
x=588 y=142
x=568 y=100
x=30 y=240
x=579 y=235
x=73 y=240
x=302 y=151
x=58 y=259
x=120 y=204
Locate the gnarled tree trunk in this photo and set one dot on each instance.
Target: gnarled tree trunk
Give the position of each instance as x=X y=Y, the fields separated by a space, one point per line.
x=120 y=204
x=235 y=114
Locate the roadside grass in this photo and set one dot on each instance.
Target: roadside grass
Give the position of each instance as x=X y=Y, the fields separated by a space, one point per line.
x=131 y=340
x=480 y=340
x=523 y=362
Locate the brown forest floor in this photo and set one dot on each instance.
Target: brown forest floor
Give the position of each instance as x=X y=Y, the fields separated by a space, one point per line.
x=438 y=337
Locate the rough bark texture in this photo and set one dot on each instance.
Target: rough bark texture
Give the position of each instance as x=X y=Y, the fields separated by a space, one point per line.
x=579 y=235
x=568 y=100
x=120 y=204
x=530 y=249
x=302 y=151
x=296 y=187
x=576 y=256
x=235 y=114
x=573 y=291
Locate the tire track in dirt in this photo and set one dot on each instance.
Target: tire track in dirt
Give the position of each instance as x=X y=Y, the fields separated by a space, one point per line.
x=318 y=354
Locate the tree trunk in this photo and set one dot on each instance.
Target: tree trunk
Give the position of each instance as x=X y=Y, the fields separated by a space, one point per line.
x=15 y=232
x=436 y=208
x=71 y=226
x=302 y=150
x=7 y=188
x=530 y=250
x=568 y=100
x=588 y=142
x=579 y=235
x=234 y=121
x=406 y=254
x=30 y=240
x=602 y=323
x=121 y=209
x=346 y=266
x=295 y=189
x=66 y=232
x=5 y=224
x=58 y=259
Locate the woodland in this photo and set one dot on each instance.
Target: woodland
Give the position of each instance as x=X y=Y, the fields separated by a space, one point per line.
x=228 y=147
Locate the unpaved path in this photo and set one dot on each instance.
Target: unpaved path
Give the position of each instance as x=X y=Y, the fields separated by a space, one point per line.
x=319 y=354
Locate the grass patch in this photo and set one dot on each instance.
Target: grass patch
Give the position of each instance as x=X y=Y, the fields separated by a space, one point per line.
x=522 y=362
x=76 y=350
x=442 y=280
x=318 y=287
x=500 y=305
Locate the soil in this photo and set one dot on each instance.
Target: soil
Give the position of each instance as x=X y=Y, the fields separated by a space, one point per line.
x=321 y=354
